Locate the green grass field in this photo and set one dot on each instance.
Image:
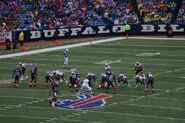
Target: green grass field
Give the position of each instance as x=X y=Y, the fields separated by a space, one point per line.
x=164 y=58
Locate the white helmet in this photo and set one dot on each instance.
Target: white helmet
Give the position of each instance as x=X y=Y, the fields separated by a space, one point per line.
x=106 y=64
x=121 y=75
x=66 y=50
x=86 y=81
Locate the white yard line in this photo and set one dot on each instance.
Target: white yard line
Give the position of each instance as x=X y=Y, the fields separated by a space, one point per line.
x=159 y=98
x=18 y=97
x=138 y=115
x=172 y=99
x=148 y=106
x=47 y=119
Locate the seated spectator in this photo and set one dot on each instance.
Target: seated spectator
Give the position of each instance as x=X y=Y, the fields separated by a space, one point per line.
x=157 y=11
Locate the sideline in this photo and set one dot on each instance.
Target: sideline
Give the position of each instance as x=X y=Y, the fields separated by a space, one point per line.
x=156 y=38
x=59 y=48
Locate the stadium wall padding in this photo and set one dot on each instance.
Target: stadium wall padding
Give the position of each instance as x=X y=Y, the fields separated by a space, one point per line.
x=98 y=31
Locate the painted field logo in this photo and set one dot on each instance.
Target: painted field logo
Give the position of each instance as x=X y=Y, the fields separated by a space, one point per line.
x=83 y=102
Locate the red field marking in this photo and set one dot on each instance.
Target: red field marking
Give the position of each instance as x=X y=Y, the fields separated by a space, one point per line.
x=96 y=98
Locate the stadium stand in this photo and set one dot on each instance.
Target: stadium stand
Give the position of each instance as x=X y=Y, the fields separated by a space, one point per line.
x=181 y=14
x=42 y=14
x=35 y=14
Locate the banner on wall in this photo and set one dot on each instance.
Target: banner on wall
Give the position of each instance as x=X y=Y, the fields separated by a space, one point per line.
x=108 y=30
x=4 y=36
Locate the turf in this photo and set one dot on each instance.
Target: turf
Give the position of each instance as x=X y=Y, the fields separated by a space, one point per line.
x=130 y=105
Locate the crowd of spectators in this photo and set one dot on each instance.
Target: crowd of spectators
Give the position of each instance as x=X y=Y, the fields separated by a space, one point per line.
x=181 y=14
x=156 y=11
x=37 y=14
x=44 y=14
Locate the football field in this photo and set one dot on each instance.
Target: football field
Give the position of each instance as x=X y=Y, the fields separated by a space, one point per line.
x=164 y=58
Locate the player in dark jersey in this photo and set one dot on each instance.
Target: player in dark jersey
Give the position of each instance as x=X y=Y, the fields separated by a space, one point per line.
x=74 y=81
x=91 y=77
x=138 y=68
x=34 y=75
x=149 y=81
x=123 y=78
x=103 y=81
x=54 y=92
x=17 y=75
x=110 y=79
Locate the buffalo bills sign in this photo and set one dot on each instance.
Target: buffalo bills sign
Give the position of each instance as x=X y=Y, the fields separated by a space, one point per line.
x=83 y=102
x=87 y=31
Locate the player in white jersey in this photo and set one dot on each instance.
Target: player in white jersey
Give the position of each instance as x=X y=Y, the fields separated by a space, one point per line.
x=138 y=68
x=106 y=67
x=66 y=58
x=140 y=79
x=123 y=78
x=85 y=86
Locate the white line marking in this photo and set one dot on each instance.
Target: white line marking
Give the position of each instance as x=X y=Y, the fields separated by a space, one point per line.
x=147 y=106
x=183 y=77
x=18 y=97
x=138 y=115
x=161 y=98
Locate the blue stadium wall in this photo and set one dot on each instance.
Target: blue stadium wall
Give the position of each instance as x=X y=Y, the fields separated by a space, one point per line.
x=98 y=31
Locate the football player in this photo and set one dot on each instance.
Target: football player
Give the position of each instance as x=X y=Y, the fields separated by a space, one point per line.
x=54 y=92
x=103 y=81
x=23 y=70
x=61 y=77
x=58 y=76
x=123 y=78
x=85 y=86
x=73 y=81
x=66 y=58
x=110 y=79
x=91 y=77
x=48 y=78
x=107 y=68
x=34 y=75
x=140 y=79
x=138 y=68
x=16 y=75
x=149 y=81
